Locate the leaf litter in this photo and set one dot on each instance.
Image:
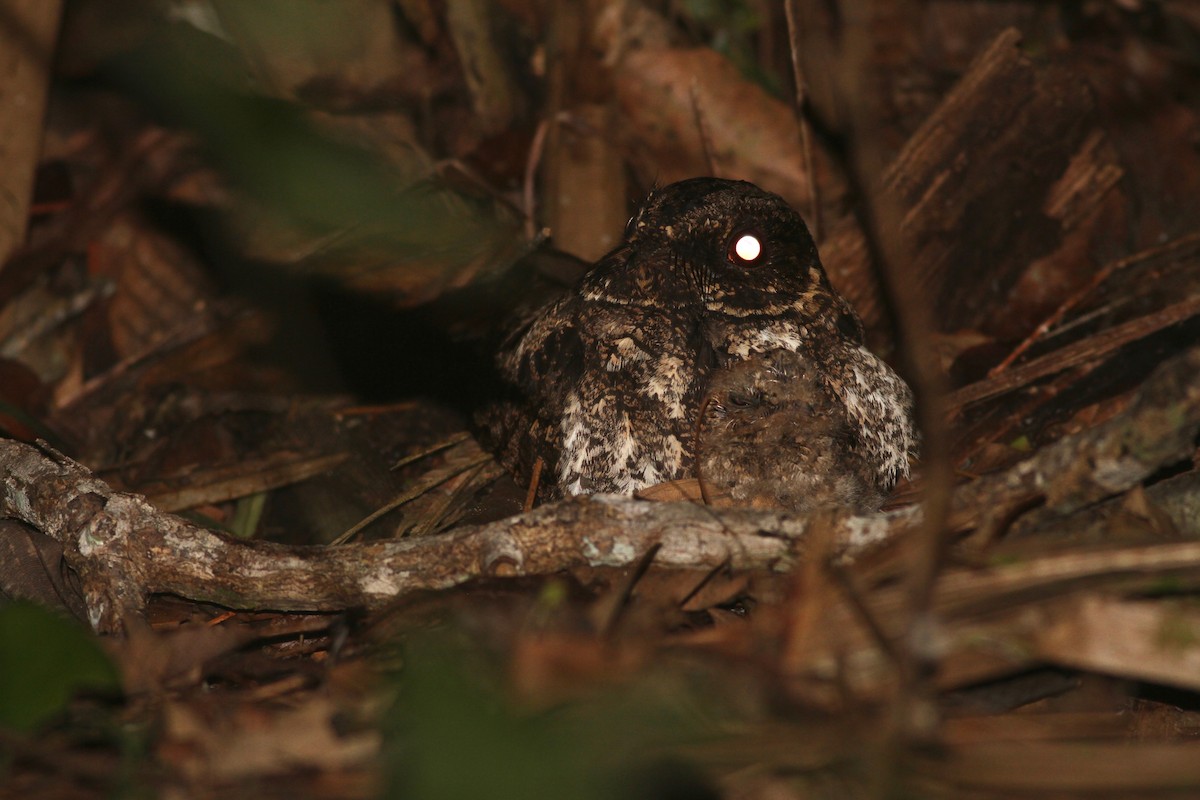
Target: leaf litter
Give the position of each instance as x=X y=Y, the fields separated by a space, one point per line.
x=263 y=298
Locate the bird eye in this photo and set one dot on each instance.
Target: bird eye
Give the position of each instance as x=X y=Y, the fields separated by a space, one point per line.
x=745 y=400
x=745 y=248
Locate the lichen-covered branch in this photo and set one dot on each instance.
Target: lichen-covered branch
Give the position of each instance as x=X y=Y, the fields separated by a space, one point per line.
x=123 y=550
x=1158 y=429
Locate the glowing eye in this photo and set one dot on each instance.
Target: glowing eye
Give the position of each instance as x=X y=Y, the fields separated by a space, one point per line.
x=746 y=248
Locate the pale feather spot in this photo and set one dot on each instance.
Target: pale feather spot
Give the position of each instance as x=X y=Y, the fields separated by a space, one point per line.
x=668 y=384
x=575 y=431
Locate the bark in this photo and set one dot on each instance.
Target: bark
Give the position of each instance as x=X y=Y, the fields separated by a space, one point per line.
x=979 y=179
x=123 y=550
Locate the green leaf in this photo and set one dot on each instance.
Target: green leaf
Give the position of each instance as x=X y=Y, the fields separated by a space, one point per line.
x=272 y=150
x=459 y=740
x=453 y=735
x=45 y=660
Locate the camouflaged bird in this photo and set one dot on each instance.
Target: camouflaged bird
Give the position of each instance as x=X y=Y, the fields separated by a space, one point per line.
x=775 y=433
x=713 y=276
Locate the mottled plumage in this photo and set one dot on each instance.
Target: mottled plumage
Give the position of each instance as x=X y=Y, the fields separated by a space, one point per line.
x=783 y=430
x=608 y=380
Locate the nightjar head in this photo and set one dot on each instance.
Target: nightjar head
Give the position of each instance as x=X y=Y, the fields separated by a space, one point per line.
x=720 y=246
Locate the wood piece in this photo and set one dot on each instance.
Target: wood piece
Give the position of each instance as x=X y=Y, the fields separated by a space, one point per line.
x=252 y=475
x=1090 y=349
x=494 y=94
x=991 y=622
x=1183 y=248
x=28 y=30
x=1003 y=135
x=1110 y=458
x=585 y=183
x=583 y=171
x=1061 y=769
x=1140 y=640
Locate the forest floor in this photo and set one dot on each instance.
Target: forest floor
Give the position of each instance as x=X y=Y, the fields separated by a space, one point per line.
x=253 y=262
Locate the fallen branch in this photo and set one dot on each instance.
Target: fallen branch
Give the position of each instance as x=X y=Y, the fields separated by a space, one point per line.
x=123 y=550
x=1158 y=429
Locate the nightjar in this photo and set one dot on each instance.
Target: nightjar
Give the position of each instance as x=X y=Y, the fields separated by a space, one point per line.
x=716 y=282
x=775 y=432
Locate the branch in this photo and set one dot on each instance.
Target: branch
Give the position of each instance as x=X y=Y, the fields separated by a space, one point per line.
x=1157 y=430
x=123 y=550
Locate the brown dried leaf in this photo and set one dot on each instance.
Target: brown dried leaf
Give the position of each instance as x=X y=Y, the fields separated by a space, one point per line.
x=673 y=100
x=206 y=742
x=673 y=491
x=547 y=668
x=217 y=484
x=157 y=282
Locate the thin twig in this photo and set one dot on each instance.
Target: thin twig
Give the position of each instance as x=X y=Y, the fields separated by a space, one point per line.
x=1093 y=347
x=858 y=602
x=622 y=596
x=431 y=482
x=534 y=480
x=724 y=566
x=433 y=448
x=528 y=193
x=458 y=485
x=891 y=252
x=1078 y=297
x=793 y=12
x=702 y=131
